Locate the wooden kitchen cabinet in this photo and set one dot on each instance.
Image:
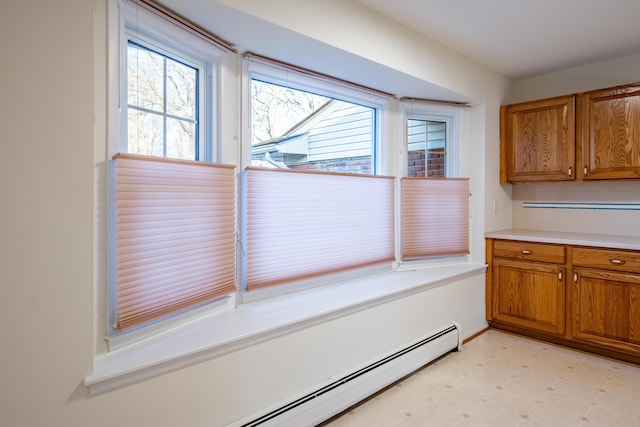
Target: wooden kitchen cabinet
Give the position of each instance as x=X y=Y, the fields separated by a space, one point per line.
x=537 y=141
x=529 y=285
x=582 y=297
x=606 y=299
x=592 y=135
x=610 y=133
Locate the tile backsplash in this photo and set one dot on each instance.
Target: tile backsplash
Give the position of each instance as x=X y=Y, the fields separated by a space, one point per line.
x=617 y=222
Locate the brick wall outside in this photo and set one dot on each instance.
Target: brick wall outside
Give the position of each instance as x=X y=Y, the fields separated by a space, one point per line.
x=433 y=164
x=360 y=165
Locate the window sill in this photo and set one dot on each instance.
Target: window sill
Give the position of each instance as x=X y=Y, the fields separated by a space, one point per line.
x=236 y=328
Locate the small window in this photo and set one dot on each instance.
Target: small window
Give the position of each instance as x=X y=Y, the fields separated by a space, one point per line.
x=162 y=98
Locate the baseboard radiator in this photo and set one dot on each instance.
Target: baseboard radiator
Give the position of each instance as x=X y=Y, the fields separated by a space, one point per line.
x=338 y=395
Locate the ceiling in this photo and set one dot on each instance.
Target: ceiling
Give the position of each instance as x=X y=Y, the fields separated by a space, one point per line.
x=521 y=38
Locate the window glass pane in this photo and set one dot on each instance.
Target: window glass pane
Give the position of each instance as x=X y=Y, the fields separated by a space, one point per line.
x=180 y=139
x=294 y=129
x=426 y=148
x=145 y=133
x=145 y=78
x=181 y=90
x=162 y=95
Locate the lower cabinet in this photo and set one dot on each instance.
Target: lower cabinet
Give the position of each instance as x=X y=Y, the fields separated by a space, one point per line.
x=530 y=295
x=606 y=299
x=583 y=297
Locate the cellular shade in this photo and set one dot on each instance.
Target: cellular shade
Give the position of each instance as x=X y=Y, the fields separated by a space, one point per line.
x=175 y=235
x=306 y=224
x=435 y=217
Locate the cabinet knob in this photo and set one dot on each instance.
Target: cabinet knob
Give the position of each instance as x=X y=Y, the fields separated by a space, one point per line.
x=570 y=171
x=560 y=275
x=526 y=252
x=575 y=277
x=585 y=171
x=617 y=261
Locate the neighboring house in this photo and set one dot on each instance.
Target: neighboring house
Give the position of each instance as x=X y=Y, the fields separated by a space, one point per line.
x=339 y=137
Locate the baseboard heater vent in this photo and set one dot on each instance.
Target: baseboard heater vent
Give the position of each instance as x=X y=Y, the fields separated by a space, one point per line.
x=336 y=396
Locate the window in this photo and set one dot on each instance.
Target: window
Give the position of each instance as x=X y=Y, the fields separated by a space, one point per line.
x=324 y=192
x=169 y=96
x=171 y=220
x=434 y=204
x=303 y=122
x=312 y=208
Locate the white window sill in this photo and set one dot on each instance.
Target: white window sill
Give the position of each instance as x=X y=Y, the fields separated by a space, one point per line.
x=248 y=324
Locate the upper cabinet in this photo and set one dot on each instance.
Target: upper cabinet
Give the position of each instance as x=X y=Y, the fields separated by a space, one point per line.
x=589 y=136
x=537 y=141
x=610 y=133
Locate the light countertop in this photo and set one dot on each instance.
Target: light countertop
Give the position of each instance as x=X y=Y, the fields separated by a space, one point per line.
x=576 y=239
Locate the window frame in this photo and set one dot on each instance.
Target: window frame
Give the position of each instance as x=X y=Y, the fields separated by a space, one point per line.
x=154 y=32
x=429 y=111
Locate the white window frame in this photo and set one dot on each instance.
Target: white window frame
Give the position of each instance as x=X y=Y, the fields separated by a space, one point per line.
x=146 y=28
x=450 y=115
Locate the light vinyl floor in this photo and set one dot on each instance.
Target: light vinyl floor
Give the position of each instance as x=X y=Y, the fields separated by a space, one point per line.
x=499 y=379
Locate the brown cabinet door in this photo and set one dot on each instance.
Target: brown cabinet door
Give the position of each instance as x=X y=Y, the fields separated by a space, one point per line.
x=606 y=309
x=538 y=140
x=610 y=129
x=529 y=295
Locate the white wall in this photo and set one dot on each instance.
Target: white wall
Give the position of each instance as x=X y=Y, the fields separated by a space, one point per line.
x=598 y=75
x=53 y=121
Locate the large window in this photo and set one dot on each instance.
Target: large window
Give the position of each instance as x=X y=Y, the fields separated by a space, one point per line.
x=336 y=180
x=311 y=207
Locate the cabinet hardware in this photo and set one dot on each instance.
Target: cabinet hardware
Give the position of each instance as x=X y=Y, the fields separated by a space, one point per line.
x=585 y=171
x=575 y=277
x=560 y=275
x=617 y=261
x=570 y=171
x=526 y=252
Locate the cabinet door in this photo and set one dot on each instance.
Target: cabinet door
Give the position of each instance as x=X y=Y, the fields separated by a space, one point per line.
x=606 y=309
x=538 y=140
x=611 y=133
x=529 y=295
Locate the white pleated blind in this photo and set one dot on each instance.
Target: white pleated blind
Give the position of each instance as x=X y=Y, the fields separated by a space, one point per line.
x=435 y=217
x=306 y=224
x=175 y=235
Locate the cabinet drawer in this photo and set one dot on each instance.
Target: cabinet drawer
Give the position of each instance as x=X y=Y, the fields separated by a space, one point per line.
x=609 y=259
x=529 y=251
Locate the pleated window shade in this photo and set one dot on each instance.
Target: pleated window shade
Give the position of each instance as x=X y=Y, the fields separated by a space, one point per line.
x=175 y=236
x=435 y=217
x=306 y=224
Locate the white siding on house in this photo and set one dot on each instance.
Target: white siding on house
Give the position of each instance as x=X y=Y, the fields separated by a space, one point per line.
x=347 y=131
x=420 y=131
